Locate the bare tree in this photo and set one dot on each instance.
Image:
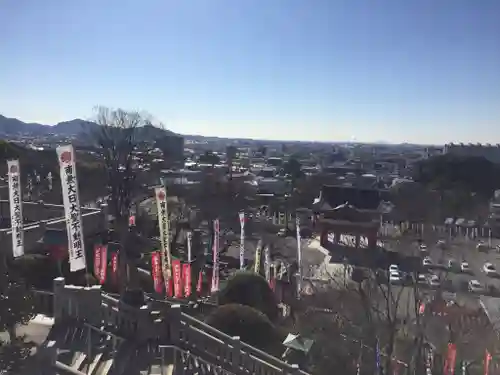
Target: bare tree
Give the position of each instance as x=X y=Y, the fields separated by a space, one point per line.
x=116 y=138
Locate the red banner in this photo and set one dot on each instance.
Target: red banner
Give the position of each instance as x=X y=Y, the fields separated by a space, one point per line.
x=200 y=281
x=114 y=267
x=104 y=263
x=186 y=276
x=156 y=272
x=272 y=284
x=177 y=276
x=97 y=262
x=131 y=221
x=451 y=357
x=487 y=360
x=169 y=286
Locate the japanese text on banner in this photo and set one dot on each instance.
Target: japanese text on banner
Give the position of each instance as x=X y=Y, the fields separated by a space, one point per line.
x=69 y=184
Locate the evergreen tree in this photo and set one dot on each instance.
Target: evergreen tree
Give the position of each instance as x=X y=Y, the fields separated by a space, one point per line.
x=16 y=307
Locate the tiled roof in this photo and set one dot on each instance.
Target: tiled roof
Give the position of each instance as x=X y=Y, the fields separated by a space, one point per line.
x=363 y=199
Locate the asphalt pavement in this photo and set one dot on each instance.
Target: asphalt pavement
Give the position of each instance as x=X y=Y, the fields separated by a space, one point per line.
x=458 y=249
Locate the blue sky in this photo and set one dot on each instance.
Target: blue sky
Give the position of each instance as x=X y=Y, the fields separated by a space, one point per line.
x=422 y=71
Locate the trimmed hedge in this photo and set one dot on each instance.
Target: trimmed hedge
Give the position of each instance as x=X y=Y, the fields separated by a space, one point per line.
x=252 y=326
x=250 y=289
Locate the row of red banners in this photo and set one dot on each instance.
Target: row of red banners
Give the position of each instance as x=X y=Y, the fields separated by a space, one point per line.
x=179 y=286
x=101 y=264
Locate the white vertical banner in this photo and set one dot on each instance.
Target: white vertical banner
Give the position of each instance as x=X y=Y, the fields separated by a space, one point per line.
x=258 y=251
x=267 y=264
x=166 y=258
x=71 y=200
x=242 y=240
x=215 y=249
x=299 y=255
x=189 y=246
x=16 y=207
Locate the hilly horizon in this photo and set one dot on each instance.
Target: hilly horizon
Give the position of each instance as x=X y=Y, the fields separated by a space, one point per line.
x=13 y=126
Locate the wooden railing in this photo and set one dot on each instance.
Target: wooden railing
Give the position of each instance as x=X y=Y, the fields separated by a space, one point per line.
x=169 y=327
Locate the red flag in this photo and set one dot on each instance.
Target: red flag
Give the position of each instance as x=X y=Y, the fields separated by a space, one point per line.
x=449 y=364
x=200 y=281
x=421 y=308
x=104 y=263
x=97 y=262
x=131 y=221
x=114 y=267
x=169 y=286
x=156 y=272
x=487 y=360
x=272 y=284
x=186 y=275
x=176 y=271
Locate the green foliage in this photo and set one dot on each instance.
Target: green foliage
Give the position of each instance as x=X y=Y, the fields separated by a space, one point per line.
x=252 y=326
x=16 y=307
x=250 y=289
x=464 y=174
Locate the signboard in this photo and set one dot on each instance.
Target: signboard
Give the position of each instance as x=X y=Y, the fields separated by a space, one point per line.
x=166 y=259
x=299 y=255
x=242 y=240
x=258 y=252
x=69 y=184
x=16 y=207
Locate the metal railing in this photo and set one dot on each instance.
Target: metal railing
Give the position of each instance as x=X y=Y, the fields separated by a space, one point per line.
x=167 y=328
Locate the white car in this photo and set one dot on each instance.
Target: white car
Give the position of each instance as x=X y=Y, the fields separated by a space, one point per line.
x=423 y=248
x=434 y=281
x=394 y=277
x=489 y=269
x=475 y=286
x=421 y=279
x=427 y=262
x=464 y=267
x=451 y=263
x=393 y=268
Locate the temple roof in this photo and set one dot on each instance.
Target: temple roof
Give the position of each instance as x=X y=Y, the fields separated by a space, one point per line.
x=361 y=199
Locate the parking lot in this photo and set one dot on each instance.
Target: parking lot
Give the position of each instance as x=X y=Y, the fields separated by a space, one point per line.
x=459 y=250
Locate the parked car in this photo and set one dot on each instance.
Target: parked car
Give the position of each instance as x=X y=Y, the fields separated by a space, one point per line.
x=421 y=279
x=427 y=262
x=393 y=268
x=423 y=248
x=475 y=286
x=395 y=277
x=434 y=281
x=464 y=267
x=489 y=269
x=441 y=244
x=452 y=264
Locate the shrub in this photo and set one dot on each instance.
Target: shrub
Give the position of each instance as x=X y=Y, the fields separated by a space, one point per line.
x=252 y=326
x=249 y=289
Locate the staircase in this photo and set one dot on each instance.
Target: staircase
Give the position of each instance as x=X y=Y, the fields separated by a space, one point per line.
x=97 y=334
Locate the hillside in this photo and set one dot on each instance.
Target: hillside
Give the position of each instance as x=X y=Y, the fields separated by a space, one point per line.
x=12 y=126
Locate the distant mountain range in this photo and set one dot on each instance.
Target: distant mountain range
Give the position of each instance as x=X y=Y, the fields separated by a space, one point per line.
x=15 y=127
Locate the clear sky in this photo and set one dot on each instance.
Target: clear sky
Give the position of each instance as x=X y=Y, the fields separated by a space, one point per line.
x=424 y=71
